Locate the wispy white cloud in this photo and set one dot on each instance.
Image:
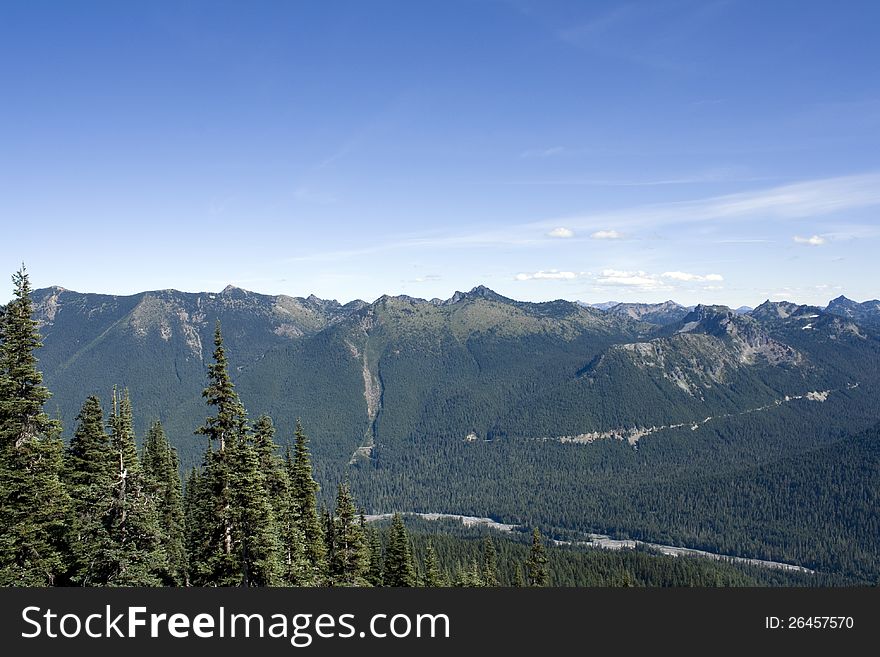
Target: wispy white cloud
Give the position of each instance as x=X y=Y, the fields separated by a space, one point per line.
x=549 y=275
x=606 y=235
x=787 y=202
x=815 y=240
x=793 y=201
x=643 y=280
x=631 y=279
x=689 y=278
x=561 y=231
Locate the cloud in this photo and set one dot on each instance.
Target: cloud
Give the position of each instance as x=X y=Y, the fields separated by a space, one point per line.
x=647 y=281
x=561 y=231
x=638 y=279
x=815 y=240
x=688 y=278
x=542 y=152
x=606 y=235
x=551 y=275
x=793 y=201
x=427 y=278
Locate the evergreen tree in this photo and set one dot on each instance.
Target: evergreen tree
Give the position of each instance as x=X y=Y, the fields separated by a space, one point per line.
x=89 y=476
x=289 y=536
x=475 y=575
x=519 y=580
x=536 y=565
x=304 y=492
x=162 y=476
x=375 y=574
x=254 y=529
x=216 y=562
x=433 y=577
x=242 y=546
x=35 y=509
x=136 y=556
x=399 y=565
x=230 y=421
x=198 y=525
x=347 y=564
x=490 y=563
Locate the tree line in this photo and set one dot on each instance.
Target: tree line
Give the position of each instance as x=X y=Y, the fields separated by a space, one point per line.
x=99 y=512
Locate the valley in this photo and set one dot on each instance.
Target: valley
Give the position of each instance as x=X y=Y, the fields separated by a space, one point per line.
x=730 y=432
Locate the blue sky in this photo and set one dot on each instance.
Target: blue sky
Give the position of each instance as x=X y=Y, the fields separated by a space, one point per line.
x=722 y=152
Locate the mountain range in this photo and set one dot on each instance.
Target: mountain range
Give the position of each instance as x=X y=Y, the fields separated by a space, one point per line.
x=484 y=405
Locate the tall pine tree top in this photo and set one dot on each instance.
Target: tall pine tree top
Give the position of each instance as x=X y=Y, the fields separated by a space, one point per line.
x=89 y=460
x=34 y=505
x=230 y=422
x=22 y=393
x=400 y=567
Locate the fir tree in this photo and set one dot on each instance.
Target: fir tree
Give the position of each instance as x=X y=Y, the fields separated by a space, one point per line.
x=347 y=565
x=399 y=565
x=375 y=574
x=217 y=562
x=35 y=509
x=289 y=537
x=490 y=563
x=198 y=525
x=162 y=475
x=136 y=556
x=433 y=577
x=536 y=565
x=304 y=492
x=242 y=546
x=89 y=476
x=230 y=421
x=254 y=529
x=475 y=575
x=519 y=579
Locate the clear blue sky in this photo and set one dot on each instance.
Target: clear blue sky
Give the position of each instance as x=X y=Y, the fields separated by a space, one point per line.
x=702 y=151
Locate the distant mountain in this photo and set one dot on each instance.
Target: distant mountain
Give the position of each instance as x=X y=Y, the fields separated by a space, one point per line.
x=660 y=314
x=743 y=310
x=361 y=374
x=551 y=414
x=605 y=305
x=867 y=312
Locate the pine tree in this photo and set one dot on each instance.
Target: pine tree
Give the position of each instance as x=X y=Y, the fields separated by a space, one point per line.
x=35 y=508
x=519 y=580
x=375 y=574
x=242 y=546
x=230 y=421
x=433 y=577
x=217 y=562
x=289 y=537
x=254 y=529
x=399 y=565
x=490 y=563
x=89 y=476
x=304 y=492
x=347 y=565
x=536 y=565
x=475 y=575
x=197 y=507
x=162 y=476
x=136 y=556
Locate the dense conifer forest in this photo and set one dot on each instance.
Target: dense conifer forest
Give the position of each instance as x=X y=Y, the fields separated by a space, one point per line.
x=113 y=509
